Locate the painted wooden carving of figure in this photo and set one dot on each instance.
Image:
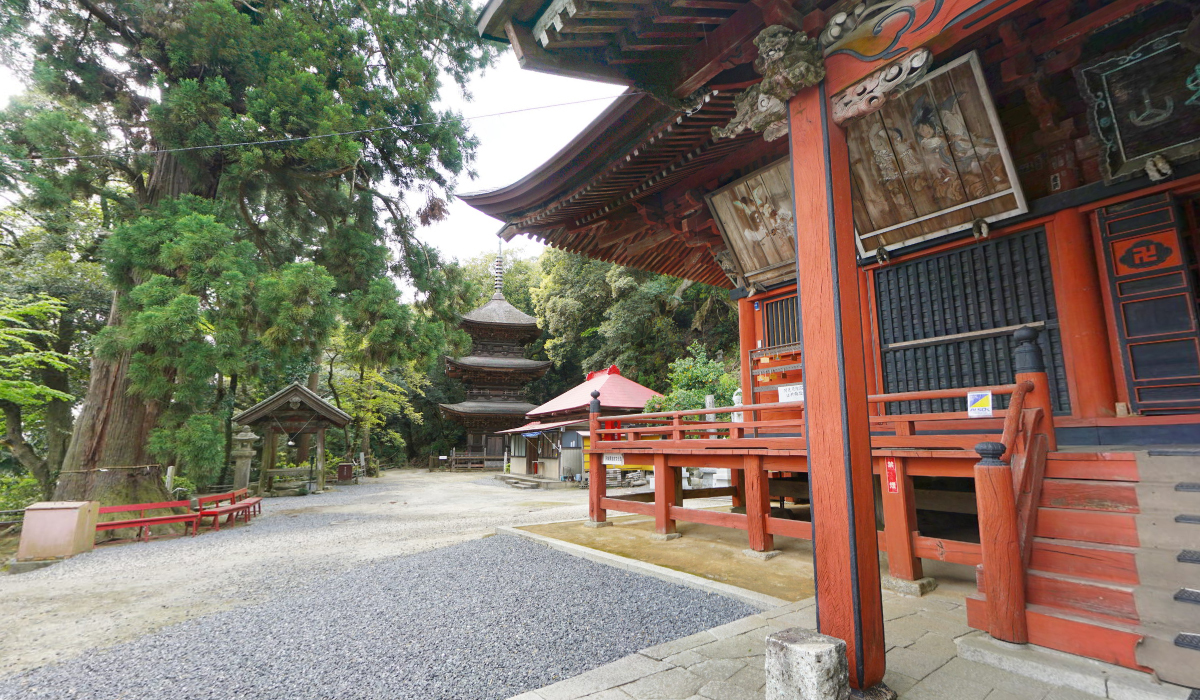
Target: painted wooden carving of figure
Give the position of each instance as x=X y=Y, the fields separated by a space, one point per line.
x=947 y=185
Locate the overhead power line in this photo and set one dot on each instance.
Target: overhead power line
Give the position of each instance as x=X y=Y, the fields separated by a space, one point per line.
x=294 y=139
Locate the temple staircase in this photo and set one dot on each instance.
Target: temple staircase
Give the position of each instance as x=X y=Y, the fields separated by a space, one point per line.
x=1114 y=571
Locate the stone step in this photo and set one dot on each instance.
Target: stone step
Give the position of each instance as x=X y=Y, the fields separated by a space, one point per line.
x=1175 y=657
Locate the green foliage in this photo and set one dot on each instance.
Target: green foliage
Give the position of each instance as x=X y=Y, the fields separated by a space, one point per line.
x=600 y=314
x=183 y=488
x=17 y=491
x=233 y=265
x=694 y=377
x=21 y=352
x=196 y=446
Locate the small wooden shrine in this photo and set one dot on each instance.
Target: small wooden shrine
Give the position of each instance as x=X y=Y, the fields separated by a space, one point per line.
x=290 y=412
x=495 y=374
x=554 y=443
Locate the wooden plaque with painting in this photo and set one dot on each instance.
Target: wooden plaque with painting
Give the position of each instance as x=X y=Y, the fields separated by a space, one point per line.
x=931 y=162
x=755 y=217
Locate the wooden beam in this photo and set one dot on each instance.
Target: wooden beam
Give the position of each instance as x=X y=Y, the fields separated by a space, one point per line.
x=707 y=60
x=907 y=25
x=532 y=56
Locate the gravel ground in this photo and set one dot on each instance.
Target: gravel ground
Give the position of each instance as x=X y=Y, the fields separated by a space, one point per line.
x=120 y=593
x=486 y=618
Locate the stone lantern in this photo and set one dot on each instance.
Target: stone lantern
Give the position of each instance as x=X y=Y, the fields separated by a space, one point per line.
x=242 y=454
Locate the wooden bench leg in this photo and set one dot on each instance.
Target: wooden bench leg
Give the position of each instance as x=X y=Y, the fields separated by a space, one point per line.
x=899 y=519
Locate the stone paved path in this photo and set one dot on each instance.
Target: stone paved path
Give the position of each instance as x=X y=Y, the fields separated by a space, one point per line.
x=726 y=663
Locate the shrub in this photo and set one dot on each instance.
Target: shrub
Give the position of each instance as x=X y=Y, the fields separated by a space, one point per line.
x=18 y=491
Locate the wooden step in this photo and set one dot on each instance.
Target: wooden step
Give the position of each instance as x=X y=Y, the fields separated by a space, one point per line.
x=1111 y=642
x=1106 y=602
x=1088 y=526
x=1086 y=560
x=1097 y=466
x=1090 y=494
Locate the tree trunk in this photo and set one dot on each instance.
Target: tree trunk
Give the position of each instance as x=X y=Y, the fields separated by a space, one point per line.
x=112 y=431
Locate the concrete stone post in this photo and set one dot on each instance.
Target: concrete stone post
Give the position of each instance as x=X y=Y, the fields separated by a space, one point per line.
x=242 y=453
x=806 y=665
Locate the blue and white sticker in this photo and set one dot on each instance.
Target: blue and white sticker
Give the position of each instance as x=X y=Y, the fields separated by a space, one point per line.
x=979 y=404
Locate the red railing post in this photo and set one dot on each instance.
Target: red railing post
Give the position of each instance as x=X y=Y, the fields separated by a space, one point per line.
x=666 y=484
x=1003 y=569
x=899 y=518
x=1028 y=365
x=758 y=504
x=597 y=478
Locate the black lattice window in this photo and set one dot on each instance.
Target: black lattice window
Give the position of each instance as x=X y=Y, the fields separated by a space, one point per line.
x=781 y=325
x=946 y=321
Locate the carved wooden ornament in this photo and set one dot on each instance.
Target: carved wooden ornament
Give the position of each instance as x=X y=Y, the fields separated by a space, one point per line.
x=869 y=95
x=788 y=62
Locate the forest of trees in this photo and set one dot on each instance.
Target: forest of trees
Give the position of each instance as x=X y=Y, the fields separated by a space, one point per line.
x=151 y=286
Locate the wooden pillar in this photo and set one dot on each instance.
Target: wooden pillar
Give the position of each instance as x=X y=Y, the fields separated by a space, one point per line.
x=758 y=504
x=846 y=552
x=737 y=478
x=270 y=450
x=1081 y=316
x=899 y=519
x=1028 y=365
x=321 y=458
x=597 y=479
x=666 y=486
x=1003 y=568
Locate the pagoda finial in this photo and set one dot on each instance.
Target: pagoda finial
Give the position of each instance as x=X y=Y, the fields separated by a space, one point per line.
x=498 y=273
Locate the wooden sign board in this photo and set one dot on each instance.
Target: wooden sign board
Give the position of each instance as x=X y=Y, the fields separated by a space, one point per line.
x=1142 y=103
x=755 y=218
x=931 y=162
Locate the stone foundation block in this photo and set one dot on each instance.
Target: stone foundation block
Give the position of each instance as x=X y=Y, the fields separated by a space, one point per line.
x=661 y=537
x=589 y=523
x=762 y=555
x=806 y=665
x=912 y=589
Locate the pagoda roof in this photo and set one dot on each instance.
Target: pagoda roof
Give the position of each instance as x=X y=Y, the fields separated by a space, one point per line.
x=616 y=393
x=499 y=364
x=499 y=408
x=500 y=313
x=279 y=401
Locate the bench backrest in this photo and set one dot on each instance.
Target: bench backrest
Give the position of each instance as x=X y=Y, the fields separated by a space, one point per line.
x=215 y=498
x=240 y=495
x=137 y=507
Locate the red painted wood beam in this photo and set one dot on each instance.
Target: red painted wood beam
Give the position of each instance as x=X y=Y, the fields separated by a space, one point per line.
x=938 y=24
x=846 y=551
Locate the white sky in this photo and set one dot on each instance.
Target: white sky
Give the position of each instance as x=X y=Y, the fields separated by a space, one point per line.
x=510 y=146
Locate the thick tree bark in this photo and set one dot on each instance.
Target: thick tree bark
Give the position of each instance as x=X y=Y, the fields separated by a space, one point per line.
x=114 y=424
x=112 y=431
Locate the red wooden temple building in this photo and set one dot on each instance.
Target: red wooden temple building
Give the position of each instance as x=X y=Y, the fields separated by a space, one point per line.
x=963 y=238
x=495 y=375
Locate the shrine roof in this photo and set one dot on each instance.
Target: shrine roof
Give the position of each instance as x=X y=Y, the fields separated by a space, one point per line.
x=499 y=363
x=616 y=392
x=281 y=400
x=505 y=408
x=622 y=190
x=497 y=311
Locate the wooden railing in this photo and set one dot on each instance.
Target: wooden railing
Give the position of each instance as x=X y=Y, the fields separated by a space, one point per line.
x=770 y=441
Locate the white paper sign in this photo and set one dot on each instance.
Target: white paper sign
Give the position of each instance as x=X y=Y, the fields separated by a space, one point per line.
x=791 y=392
x=614 y=458
x=979 y=404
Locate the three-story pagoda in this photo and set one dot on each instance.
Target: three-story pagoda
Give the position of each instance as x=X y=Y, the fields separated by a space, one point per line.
x=496 y=375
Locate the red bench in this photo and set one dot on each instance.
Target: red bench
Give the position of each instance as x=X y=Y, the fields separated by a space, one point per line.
x=144 y=523
x=210 y=507
x=254 y=503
